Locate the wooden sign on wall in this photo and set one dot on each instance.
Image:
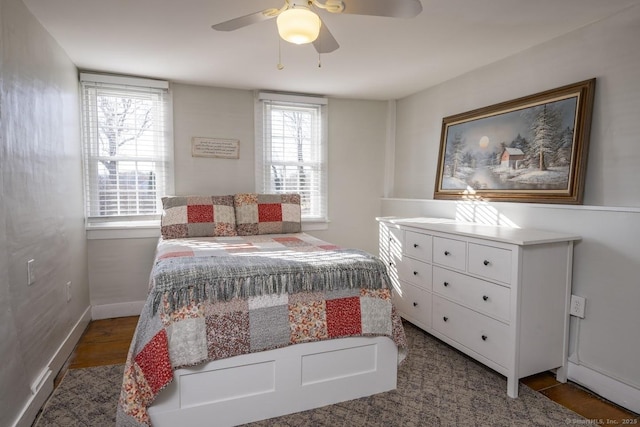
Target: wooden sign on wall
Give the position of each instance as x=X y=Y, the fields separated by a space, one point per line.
x=219 y=148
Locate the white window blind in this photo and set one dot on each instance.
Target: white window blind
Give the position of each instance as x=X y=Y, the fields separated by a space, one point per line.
x=291 y=146
x=128 y=147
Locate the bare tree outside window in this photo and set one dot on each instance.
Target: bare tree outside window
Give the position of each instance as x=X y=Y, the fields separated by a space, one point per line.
x=128 y=186
x=297 y=132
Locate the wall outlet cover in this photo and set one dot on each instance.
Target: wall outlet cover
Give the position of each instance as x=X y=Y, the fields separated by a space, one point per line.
x=577 y=306
x=31 y=271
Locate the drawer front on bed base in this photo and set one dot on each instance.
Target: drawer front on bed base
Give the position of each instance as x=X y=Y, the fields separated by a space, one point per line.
x=268 y=384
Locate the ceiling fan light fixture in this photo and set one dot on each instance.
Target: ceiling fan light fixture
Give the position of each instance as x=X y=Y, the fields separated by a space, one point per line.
x=298 y=25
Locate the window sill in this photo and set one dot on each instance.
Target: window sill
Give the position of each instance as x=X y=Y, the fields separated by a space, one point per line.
x=123 y=230
x=315 y=225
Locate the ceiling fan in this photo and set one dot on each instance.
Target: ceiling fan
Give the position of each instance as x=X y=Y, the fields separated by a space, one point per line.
x=298 y=22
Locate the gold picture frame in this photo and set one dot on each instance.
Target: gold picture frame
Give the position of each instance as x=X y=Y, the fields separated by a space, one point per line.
x=531 y=149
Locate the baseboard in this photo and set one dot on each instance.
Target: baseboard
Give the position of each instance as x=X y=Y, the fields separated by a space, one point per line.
x=109 y=311
x=607 y=387
x=37 y=400
x=43 y=386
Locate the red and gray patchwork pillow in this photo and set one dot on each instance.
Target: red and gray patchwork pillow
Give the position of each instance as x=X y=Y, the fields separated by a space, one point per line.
x=267 y=213
x=198 y=216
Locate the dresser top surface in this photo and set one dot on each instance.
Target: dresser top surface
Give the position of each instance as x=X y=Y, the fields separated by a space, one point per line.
x=504 y=234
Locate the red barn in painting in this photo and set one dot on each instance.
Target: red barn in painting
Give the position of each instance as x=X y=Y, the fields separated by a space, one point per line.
x=511 y=158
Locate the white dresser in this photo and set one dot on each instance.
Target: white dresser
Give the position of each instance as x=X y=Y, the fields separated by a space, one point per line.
x=500 y=295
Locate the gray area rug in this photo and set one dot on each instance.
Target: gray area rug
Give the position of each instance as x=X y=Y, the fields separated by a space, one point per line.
x=437 y=386
x=84 y=398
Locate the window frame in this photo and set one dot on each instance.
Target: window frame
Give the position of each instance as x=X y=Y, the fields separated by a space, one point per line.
x=320 y=140
x=89 y=86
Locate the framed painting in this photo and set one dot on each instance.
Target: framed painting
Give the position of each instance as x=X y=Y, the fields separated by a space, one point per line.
x=531 y=149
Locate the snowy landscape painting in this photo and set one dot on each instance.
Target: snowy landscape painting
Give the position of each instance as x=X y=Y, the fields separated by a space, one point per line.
x=531 y=149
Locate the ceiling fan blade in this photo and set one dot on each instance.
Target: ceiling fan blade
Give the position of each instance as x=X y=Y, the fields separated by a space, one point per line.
x=243 y=21
x=390 y=8
x=325 y=43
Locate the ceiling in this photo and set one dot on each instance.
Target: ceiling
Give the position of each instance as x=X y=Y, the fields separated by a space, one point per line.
x=379 y=58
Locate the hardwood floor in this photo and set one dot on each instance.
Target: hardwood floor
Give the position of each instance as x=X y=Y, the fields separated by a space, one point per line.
x=581 y=400
x=106 y=342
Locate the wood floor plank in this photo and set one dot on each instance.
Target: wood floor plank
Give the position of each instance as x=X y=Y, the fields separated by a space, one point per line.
x=588 y=405
x=104 y=342
x=540 y=381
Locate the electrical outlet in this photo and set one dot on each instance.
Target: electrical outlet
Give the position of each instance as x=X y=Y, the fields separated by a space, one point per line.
x=31 y=271
x=68 y=289
x=577 y=306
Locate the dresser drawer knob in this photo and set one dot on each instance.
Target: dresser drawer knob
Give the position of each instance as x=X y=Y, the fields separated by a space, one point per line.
x=415 y=304
x=485 y=262
x=447 y=253
x=485 y=298
x=415 y=273
x=415 y=245
x=484 y=338
x=445 y=318
x=445 y=284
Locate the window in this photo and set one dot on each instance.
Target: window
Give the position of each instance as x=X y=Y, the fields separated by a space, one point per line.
x=128 y=147
x=291 y=145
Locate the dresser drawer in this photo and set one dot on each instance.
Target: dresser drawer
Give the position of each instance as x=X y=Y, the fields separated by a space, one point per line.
x=415 y=272
x=477 y=294
x=414 y=304
x=473 y=330
x=449 y=252
x=490 y=262
x=418 y=245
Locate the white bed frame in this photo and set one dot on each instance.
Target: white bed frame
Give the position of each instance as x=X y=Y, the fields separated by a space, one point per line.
x=268 y=384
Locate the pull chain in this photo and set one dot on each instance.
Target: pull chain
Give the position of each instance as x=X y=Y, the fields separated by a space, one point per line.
x=280 y=65
x=319 y=54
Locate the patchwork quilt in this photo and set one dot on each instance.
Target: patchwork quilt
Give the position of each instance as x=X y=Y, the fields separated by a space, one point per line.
x=216 y=297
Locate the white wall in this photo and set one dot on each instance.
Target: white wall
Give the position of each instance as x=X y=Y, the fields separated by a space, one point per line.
x=218 y=113
x=41 y=215
x=606 y=344
x=357 y=140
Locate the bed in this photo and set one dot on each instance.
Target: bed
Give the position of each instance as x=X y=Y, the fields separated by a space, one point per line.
x=250 y=324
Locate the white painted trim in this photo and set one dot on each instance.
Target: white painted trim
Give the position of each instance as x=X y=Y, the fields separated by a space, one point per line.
x=44 y=386
x=124 y=80
x=315 y=225
x=37 y=401
x=607 y=387
x=123 y=230
x=41 y=380
x=308 y=99
x=528 y=205
x=122 y=309
x=390 y=149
